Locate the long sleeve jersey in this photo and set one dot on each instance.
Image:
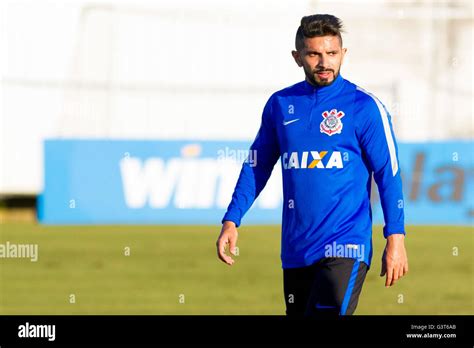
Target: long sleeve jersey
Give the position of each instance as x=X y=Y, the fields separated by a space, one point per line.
x=330 y=139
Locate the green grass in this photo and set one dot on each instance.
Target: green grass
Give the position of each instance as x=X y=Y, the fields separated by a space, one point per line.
x=169 y=261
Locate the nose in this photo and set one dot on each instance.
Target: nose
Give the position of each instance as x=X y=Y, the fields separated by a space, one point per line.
x=322 y=62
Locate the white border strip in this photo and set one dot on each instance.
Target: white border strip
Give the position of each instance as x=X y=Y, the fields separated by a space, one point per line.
x=388 y=133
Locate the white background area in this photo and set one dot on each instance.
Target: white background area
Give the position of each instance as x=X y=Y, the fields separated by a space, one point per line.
x=204 y=69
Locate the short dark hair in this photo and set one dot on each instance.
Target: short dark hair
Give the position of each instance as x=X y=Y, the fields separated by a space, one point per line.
x=318 y=25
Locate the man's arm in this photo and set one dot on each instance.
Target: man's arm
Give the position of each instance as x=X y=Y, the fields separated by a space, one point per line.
x=380 y=148
x=264 y=153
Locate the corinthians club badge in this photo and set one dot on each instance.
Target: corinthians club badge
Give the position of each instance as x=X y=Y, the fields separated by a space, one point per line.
x=331 y=123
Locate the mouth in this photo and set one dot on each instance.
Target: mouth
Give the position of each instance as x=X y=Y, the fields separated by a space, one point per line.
x=324 y=74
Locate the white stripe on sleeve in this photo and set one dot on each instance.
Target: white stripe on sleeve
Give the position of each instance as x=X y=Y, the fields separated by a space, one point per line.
x=388 y=133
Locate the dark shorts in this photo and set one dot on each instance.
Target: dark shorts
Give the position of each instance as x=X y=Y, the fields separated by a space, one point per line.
x=330 y=287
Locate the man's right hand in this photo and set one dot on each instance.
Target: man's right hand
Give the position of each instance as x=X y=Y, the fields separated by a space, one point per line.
x=228 y=236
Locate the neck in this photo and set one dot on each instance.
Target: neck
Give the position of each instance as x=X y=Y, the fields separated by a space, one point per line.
x=322 y=90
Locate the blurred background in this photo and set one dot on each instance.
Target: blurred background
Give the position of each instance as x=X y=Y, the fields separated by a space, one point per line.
x=124 y=125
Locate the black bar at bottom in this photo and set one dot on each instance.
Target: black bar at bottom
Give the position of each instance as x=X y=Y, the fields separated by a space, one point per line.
x=229 y=330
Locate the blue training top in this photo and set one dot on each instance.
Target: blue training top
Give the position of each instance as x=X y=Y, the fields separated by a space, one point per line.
x=330 y=140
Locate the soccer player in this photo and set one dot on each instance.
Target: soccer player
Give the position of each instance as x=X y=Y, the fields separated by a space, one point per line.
x=331 y=136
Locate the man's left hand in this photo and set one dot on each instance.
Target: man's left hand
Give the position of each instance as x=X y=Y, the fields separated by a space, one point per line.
x=394 y=259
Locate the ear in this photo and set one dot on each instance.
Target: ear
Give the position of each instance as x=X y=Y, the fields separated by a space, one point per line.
x=297 y=58
x=344 y=50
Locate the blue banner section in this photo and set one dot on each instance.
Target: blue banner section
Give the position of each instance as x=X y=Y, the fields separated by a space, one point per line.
x=191 y=182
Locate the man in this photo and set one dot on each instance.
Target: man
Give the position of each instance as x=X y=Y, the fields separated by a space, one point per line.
x=331 y=136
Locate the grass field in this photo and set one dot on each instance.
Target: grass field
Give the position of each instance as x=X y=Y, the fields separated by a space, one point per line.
x=167 y=262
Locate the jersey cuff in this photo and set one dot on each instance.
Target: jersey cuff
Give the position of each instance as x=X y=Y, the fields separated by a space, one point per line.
x=231 y=217
x=396 y=228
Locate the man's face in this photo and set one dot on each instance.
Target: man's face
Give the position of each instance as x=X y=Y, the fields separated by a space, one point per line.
x=321 y=59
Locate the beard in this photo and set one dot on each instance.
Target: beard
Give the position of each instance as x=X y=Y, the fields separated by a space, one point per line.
x=317 y=81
